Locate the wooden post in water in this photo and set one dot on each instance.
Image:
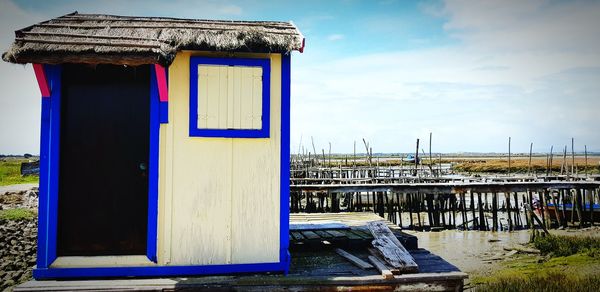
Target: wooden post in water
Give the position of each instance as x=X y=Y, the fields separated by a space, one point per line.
x=410 y=209
x=429 y=200
x=482 y=220
x=354 y=158
x=530 y=214
x=578 y=206
x=439 y=164
x=453 y=203
x=416 y=158
x=495 y=212
x=418 y=197
x=586 y=163
x=399 y=206
x=563 y=166
x=543 y=207
x=562 y=202
x=573 y=157
x=518 y=221
x=463 y=210
x=472 y=203
x=529 y=165
x=551 y=158
x=430 y=158
x=508 y=156
x=591 y=199
x=526 y=213
x=507 y=198
x=547 y=165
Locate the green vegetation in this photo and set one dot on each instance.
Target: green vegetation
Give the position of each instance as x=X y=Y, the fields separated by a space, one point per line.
x=17 y=214
x=10 y=173
x=551 y=281
x=522 y=165
x=562 y=246
x=568 y=264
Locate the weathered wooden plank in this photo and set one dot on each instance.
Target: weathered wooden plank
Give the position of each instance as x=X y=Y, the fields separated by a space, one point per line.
x=310 y=235
x=381 y=267
x=363 y=234
x=390 y=247
x=353 y=259
x=317 y=226
x=336 y=233
x=297 y=236
x=351 y=235
x=323 y=234
x=376 y=253
x=423 y=282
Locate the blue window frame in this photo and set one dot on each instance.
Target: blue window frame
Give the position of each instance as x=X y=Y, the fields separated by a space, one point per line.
x=263 y=132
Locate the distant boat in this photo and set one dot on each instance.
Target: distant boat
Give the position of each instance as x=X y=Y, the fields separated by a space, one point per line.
x=411 y=158
x=568 y=209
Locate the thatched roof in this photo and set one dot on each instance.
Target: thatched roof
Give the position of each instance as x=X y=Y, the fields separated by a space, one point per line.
x=97 y=39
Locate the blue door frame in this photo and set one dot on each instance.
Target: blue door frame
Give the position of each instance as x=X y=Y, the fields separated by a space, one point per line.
x=49 y=169
x=48 y=199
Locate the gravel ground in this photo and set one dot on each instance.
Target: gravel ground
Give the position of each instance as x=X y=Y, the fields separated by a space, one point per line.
x=17 y=236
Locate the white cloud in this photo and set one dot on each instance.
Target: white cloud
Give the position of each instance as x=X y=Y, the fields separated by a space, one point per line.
x=231 y=9
x=20 y=98
x=335 y=37
x=519 y=70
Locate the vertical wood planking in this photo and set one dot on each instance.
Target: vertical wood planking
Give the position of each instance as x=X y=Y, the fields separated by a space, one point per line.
x=212 y=97
x=220 y=200
x=255 y=187
x=257 y=97
x=230 y=96
x=223 y=97
x=246 y=99
x=237 y=98
x=202 y=96
x=201 y=172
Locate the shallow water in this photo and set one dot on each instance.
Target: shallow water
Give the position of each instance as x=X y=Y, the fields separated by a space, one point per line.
x=470 y=251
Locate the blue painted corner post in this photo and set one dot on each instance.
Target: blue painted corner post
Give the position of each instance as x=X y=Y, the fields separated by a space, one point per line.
x=284 y=256
x=49 y=150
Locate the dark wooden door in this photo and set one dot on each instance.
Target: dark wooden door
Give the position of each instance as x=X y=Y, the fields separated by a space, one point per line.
x=104 y=142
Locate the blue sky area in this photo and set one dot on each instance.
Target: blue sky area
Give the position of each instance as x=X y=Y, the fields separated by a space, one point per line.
x=472 y=72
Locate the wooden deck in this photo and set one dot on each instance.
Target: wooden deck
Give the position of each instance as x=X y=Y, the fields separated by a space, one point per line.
x=356 y=235
x=314 y=266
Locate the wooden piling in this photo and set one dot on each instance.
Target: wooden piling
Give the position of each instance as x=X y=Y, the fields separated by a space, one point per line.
x=416 y=159
x=494 y=212
x=529 y=165
x=508 y=211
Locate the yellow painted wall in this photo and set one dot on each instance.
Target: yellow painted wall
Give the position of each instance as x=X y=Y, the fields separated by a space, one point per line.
x=218 y=197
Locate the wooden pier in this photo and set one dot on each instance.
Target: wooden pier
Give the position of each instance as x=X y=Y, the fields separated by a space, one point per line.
x=434 y=200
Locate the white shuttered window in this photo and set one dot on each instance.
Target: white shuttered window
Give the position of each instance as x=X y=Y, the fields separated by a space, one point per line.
x=229 y=97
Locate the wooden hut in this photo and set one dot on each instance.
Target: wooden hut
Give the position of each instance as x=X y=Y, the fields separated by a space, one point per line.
x=164 y=144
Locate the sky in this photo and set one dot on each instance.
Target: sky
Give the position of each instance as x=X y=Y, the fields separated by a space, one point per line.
x=473 y=73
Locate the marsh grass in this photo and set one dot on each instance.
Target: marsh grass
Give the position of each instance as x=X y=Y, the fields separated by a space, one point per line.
x=568 y=263
x=522 y=165
x=10 y=173
x=17 y=214
x=552 y=281
x=561 y=246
